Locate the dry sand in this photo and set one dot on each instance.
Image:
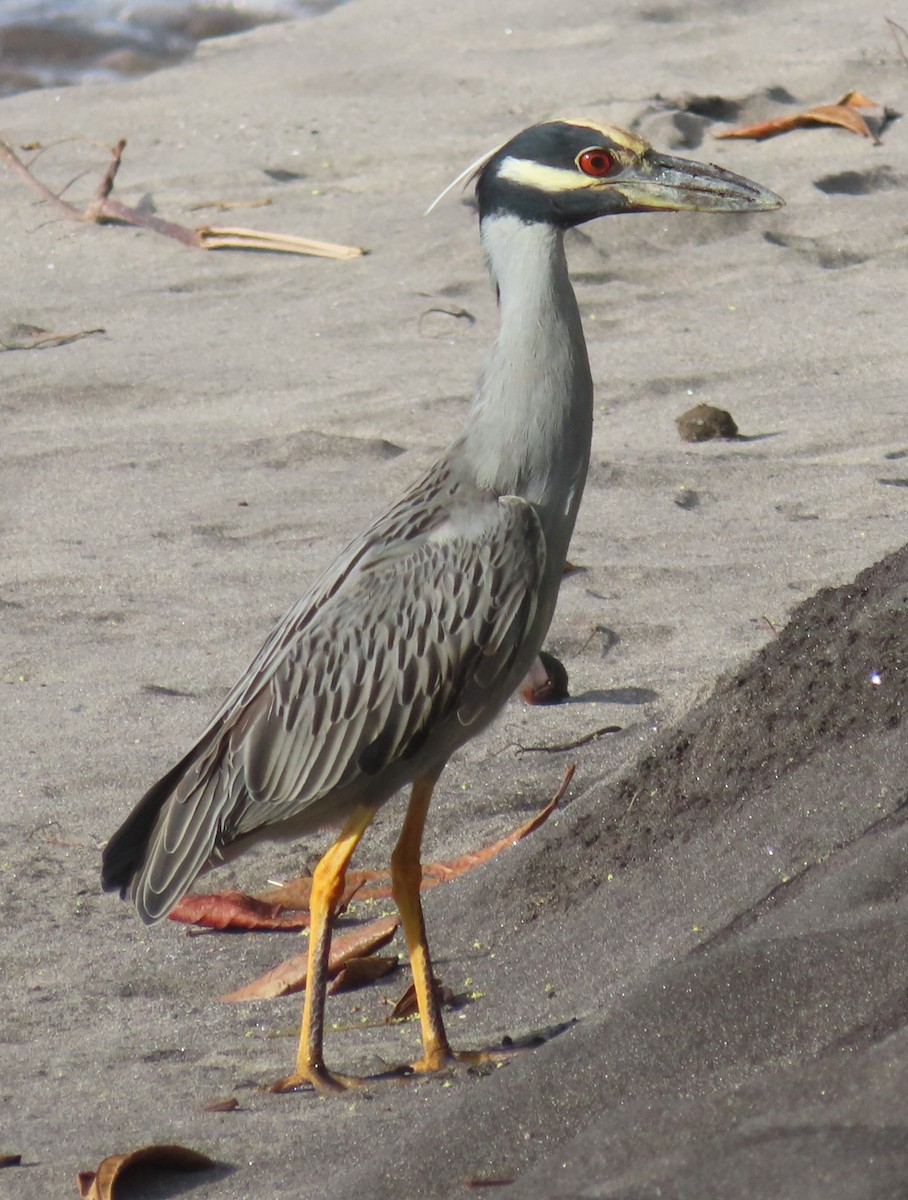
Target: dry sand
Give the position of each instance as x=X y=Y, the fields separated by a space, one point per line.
x=718 y=910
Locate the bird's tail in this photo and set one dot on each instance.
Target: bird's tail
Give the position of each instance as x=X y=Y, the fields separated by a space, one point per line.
x=127 y=856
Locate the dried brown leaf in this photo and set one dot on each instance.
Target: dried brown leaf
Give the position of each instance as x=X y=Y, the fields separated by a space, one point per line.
x=10 y=1160
x=375 y=885
x=230 y=1104
x=296 y=893
x=234 y=910
x=99 y=1185
x=854 y=111
x=357 y=972
x=466 y=862
x=408 y=1005
x=290 y=976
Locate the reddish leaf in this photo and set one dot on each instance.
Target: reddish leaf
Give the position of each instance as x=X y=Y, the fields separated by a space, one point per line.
x=854 y=111
x=466 y=862
x=290 y=976
x=235 y=910
x=99 y=1185
x=297 y=892
x=356 y=972
x=375 y=885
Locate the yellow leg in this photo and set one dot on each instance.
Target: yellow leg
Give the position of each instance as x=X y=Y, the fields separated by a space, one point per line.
x=327 y=888
x=406 y=877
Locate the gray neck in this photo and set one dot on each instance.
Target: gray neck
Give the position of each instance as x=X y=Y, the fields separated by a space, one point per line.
x=531 y=424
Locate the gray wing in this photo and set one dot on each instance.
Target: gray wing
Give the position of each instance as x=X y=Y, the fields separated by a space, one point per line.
x=404 y=642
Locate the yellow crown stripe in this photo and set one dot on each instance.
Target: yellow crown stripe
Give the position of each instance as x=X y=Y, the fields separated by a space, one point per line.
x=618 y=137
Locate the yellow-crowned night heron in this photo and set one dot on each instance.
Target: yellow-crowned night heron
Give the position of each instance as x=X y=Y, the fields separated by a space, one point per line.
x=415 y=637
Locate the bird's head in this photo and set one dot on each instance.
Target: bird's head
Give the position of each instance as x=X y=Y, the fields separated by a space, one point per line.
x=566 y=172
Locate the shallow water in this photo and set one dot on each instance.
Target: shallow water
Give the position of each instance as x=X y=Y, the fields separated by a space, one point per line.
x=49 y=43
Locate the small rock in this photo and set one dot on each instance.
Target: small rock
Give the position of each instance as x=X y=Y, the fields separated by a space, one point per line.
x=702 y=423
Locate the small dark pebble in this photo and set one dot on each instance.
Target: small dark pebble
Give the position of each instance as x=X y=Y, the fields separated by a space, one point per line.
x=702 y=423
x=687 y=498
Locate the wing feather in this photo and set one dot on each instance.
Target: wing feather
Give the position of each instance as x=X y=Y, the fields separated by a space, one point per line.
x=412 y=635
x=471 y=599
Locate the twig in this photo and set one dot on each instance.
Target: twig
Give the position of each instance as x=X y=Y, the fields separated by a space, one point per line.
x=895 y=30
x=16 y=164
x=49 y=340
x=214 y=237
x=105 y=187
x=227 y=205
x=102 y=209
x=581 y=741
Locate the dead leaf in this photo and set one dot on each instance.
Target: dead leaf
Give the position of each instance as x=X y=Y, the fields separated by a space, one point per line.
x=854 y=111
x=231 y=1104
x=10 y=1160
x=296 y=892
x=99 y=1185
x=234 y=910
x=408 y=1005
x=357 y=972
x=466 y=862
x=375 y=885
x=290 y=976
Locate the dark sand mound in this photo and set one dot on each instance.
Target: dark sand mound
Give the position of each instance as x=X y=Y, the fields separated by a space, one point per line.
x=745 y=1033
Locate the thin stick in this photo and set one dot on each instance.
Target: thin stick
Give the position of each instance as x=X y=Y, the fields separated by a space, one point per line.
x=68 y=210
x=215 y=237
x=102 y=209
x=581 y=741
x=895 y=30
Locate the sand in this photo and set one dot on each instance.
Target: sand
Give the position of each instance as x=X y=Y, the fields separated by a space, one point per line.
x=715 y=917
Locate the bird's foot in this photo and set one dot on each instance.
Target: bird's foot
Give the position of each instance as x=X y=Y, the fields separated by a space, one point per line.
x=329 y=1083
x=318 y=1079
x=445 y=1059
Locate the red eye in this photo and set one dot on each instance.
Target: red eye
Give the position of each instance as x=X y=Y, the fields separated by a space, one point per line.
x=595 y=162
